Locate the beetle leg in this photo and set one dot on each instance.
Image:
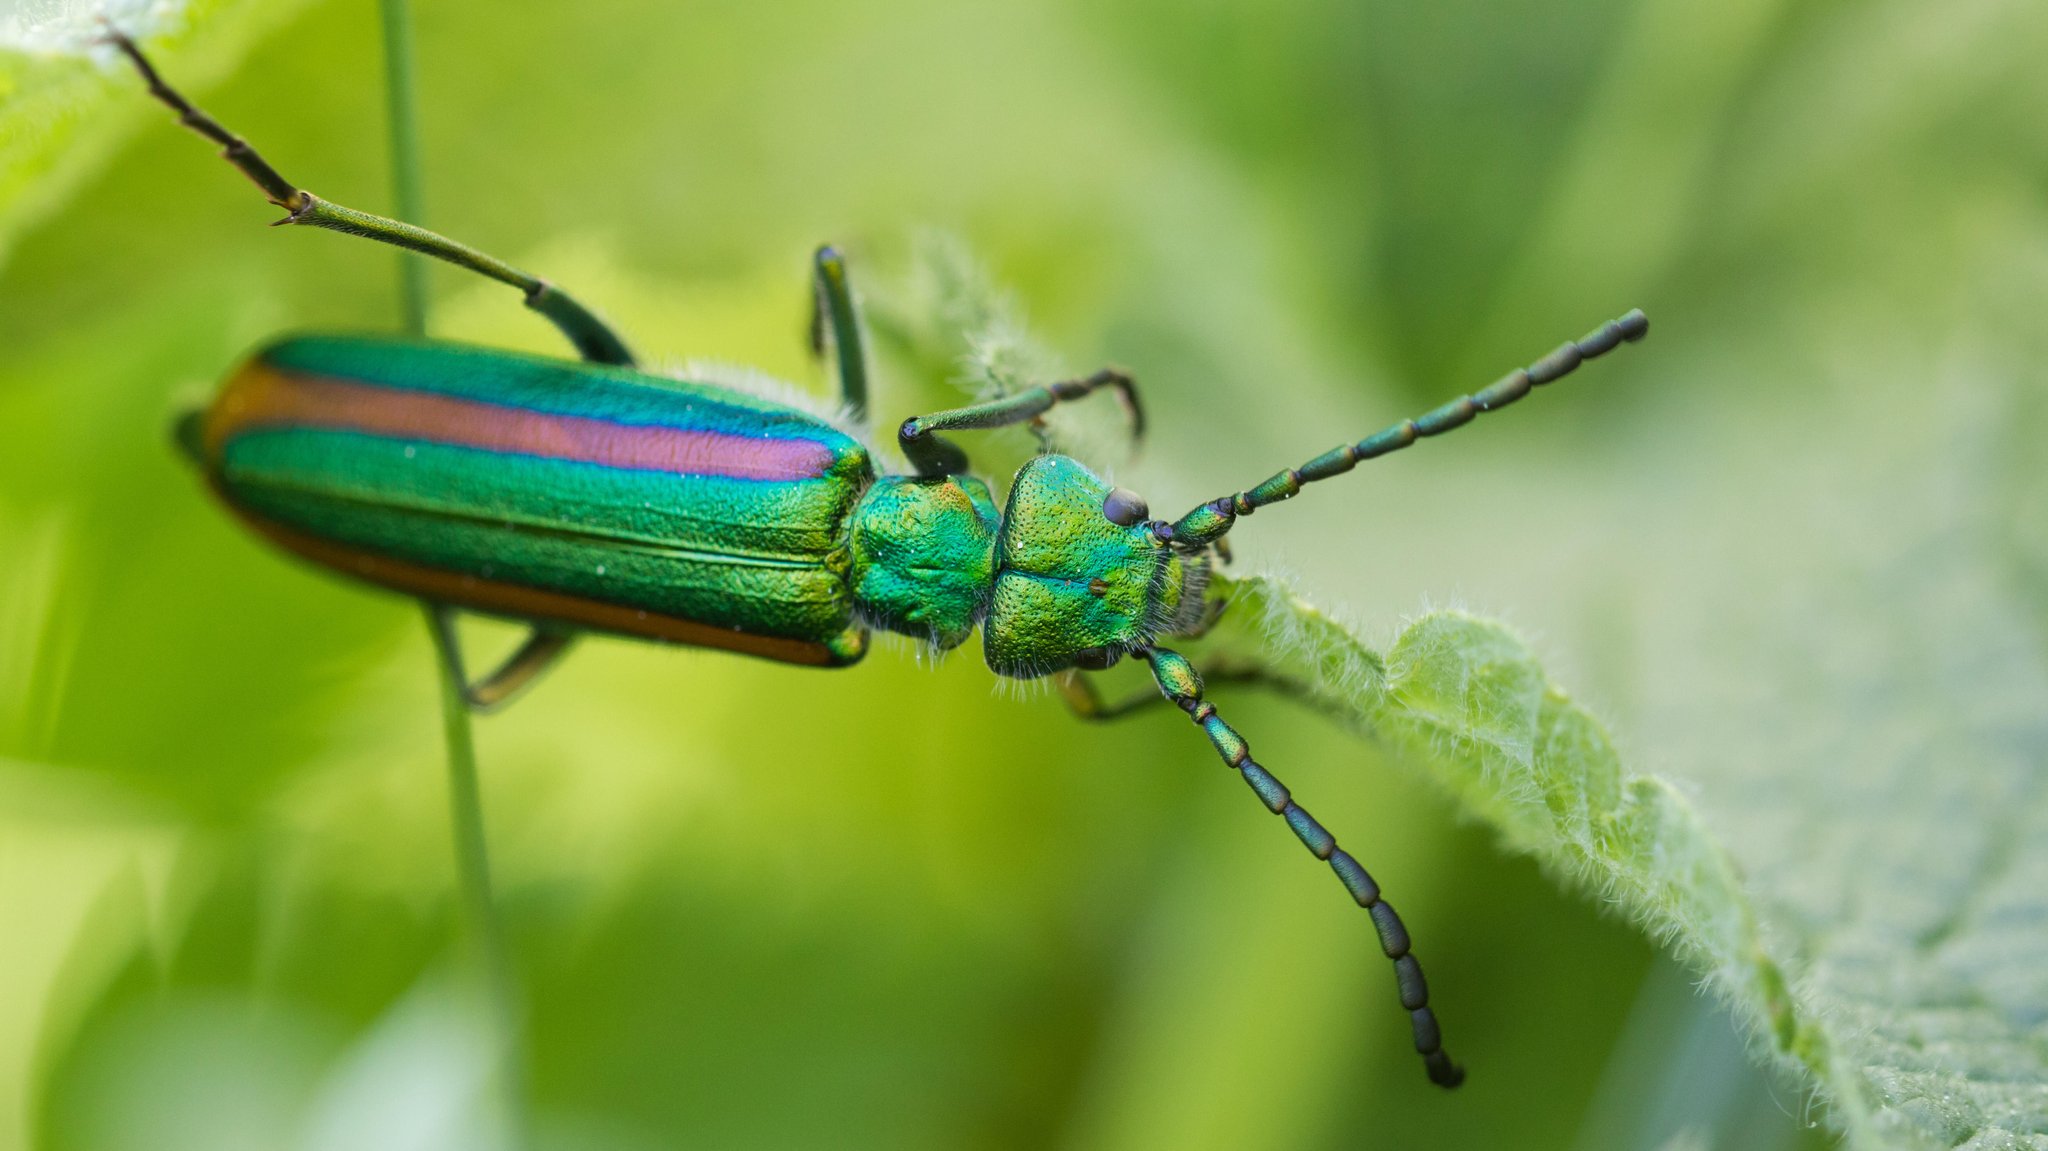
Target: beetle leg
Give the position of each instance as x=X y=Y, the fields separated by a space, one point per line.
x=1085 y=699
x=1079 y=692
x=1179 y=682
x=835 y=323
x=543 y=646
x=932 y=456
x=593 y=339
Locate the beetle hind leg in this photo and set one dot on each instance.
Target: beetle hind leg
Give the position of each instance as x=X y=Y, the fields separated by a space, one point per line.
x=836 y=327
x=542 y=648
x=593 y=339
x=544 y=645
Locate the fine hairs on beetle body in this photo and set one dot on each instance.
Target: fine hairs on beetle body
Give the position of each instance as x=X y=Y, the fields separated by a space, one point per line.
x=586 y=495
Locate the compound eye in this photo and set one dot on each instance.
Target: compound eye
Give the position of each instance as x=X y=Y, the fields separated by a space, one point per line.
x=1125 y=508
x=1097 y=658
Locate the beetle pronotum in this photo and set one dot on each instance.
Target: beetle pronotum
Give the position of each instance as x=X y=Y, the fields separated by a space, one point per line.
x=588 y=496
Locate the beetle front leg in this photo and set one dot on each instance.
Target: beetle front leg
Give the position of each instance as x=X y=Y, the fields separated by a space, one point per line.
x=1079 y=691
x=933 y=456
x=1084 y=699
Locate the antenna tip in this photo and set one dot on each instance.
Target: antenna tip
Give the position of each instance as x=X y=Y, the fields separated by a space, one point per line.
x=1634 y=326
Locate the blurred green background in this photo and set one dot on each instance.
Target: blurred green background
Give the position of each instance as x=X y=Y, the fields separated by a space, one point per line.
x=1791 y=548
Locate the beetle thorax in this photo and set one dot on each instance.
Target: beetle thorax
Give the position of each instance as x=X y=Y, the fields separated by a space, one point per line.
x=923 y=556
x=1052 y=581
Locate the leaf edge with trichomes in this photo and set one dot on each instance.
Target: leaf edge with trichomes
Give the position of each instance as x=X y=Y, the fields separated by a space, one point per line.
x=1465 y=699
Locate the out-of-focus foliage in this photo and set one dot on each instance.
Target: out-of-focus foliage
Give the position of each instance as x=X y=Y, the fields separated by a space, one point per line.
x=1791 y=549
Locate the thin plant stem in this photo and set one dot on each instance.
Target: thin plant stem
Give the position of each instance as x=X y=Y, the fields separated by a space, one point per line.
x=483 y=939
x=405 y=157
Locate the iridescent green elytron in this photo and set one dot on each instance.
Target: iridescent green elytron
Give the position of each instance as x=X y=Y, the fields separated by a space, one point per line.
x=593 y=497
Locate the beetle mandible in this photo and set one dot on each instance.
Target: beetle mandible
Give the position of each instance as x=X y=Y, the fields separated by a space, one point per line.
x=589 y=496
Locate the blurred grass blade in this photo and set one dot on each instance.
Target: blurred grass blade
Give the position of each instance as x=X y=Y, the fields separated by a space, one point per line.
x=35 y=632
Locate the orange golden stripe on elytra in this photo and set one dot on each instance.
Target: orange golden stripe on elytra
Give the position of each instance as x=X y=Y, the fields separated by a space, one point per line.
x=261 y=396
x=534 y=603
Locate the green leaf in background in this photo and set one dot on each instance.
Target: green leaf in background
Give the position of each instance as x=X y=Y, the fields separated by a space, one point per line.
x=1789 y=552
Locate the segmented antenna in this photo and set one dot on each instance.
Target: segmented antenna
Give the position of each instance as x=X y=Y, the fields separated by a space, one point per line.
x=1183 y=685
x=1210 y=521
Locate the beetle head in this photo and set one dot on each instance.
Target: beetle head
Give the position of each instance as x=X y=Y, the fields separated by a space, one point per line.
x=1081 y=577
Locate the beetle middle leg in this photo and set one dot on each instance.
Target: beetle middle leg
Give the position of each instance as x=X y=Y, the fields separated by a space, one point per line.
x=835 y=325
x=933 y=456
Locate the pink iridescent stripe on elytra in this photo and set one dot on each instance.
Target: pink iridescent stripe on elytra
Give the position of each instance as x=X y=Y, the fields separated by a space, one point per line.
x=264 y=397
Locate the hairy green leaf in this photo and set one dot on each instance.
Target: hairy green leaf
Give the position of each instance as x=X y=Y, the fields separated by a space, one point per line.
x=1911 y=995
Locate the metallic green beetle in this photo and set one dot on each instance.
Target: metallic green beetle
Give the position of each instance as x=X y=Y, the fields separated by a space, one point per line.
x=593 y=497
